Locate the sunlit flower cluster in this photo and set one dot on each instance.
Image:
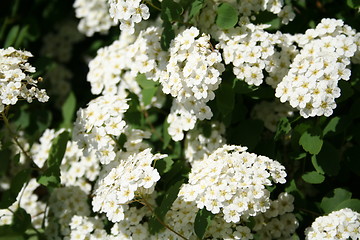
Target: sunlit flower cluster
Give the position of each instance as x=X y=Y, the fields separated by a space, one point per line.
x=83 y=227
x=232 y=181
x=15 y=81
x=341 y=224
x=191 y=77
x=128 y=13
x=311 y=84
x=97 y=126
x=124 y=180
x=94 y=16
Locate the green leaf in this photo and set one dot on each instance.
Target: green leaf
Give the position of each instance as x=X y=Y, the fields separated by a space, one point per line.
x=12 y=35
x=225 y=98
x=8 y=233
x=170 y=10
x=166 y=203
x=167 y=35
x=166 y=135
x=353 y=204
x=227 y=16
x=247 y=133
x=283 y=128
x=164 y=165
x=57 y=150
x=144 y=82
x=311 y=141
x=202 y=222
x=21 y=220
x=20 y=40
x=148 y=94
x=331 y=202
x=195 y=8
x=316 y=165
x=313 y=177
x=9 y=196
x=68 y=110
x=265 y=17
x=328 y=160
x=353 y=3
x=331 y=126
x=346 y=91
x=51 y=177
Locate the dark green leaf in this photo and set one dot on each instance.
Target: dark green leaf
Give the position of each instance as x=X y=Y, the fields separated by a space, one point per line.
x=21 y=220
x=346 y=91
x=51 y=177
x=202 y=222
x=353 y=3
x=265 y=17
x=58 y=149
x=227 y=16
x=313 y=177
x=8 y=233
x=170 y=11
x=283 y=128
x=225 y=99
x=164 y=165
x=167 y=35
x=311 y=141
x=160 y=212
x=12 y=35
x=166 y=136
x=334 y=199
x=328 y=160
x=68 y=110
x=331 y=126
x=196 y=6
x=247 y=133
x=9 y=196
x=353 y=204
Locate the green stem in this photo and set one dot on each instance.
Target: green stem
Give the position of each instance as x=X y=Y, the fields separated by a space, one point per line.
x=143 y=200
x=14 y=137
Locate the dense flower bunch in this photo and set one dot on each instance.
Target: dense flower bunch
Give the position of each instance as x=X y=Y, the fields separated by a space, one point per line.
x=271 y=112
x=252 y=51
x=98 y=124
x=116 y=66
x=311 y=85
x=278 y=222
x=15 y=83
x=232 y=181
x=83 y=227
x=191 y=77
x=341 y=224
x=128 y=13
x=198 y=146
x=127 y=179
x=94 y=16
x=64 y=203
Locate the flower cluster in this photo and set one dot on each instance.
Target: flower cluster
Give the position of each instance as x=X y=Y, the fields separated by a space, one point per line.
x=116 y=66
x=271 y=112
x=83 y=227
x=191 y=77
x=94 y=16
x=233 y=181
x=64 y=203
x=98 y=125
x=27 y=200
x=128 y=13
x=278 y=222
x=252 y=51
x=341 y=224
x=311 y=85
x=15 y=83
x=198 y=146
x=122 y=181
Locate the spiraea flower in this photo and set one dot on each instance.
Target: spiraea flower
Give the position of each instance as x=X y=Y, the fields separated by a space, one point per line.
x=341 y=224
x=15 y=81
x=124 y=180
x=233 y=182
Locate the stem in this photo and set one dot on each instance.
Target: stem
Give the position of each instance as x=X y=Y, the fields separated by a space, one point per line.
x=159 y=220
x=15 y=138
x=152 y=5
